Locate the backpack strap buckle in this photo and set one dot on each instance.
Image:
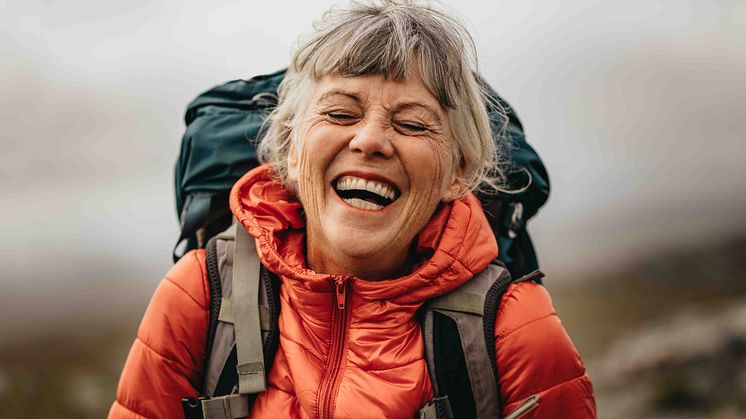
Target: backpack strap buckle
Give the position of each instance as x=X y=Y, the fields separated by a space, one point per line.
x=192 y=407
x=516 y=219
x=437 y=408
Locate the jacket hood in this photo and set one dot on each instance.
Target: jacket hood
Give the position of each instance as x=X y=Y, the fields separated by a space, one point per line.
x=456 y=243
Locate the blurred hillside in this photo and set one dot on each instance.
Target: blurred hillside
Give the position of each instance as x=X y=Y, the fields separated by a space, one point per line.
x=664 y=337
x=636 y=107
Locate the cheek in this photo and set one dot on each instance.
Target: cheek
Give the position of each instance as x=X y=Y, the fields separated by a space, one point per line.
x=314 y=158
x=428 y=170
x=310 y=179
x=431 y=168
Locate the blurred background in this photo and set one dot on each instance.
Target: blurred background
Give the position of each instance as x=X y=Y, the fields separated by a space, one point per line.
x=638 y=109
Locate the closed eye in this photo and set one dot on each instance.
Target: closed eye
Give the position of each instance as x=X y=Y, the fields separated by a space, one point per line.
x=342 y=118
x=410 y=127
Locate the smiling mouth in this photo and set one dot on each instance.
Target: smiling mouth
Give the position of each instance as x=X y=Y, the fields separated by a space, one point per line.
x=365 y=194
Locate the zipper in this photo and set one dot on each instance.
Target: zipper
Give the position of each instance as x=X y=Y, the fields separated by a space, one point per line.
x=332 y=375
x=491 y=305
x=526 y=406
x=271 y=341
x=340 y=286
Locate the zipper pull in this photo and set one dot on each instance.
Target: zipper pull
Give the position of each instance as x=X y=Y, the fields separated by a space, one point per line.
x=340 y=283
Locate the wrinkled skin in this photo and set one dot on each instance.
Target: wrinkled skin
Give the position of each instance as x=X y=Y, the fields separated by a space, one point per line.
x=371 y=127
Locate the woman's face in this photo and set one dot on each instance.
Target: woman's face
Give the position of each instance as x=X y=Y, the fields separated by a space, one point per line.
x=372 y=160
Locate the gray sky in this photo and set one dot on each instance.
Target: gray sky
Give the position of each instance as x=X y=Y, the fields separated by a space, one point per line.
x=637 y=108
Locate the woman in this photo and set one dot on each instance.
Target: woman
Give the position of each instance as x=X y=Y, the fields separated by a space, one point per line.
x=364 y=210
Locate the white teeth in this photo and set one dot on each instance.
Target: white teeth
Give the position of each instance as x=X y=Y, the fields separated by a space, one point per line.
x=359 y=203
x=350 y=182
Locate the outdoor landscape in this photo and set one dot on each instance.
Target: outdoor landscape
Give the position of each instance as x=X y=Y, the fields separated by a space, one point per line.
x=636 y=109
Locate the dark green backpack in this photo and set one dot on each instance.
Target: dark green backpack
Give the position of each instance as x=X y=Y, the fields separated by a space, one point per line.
x=219 y=146
x=224 y=126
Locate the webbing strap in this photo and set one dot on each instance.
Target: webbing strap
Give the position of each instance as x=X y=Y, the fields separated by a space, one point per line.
x=229 y=233
x=482 y=380
x=460 y=300
x=470 y=297
x=226 y=310
x=226 y=313
x=427 y=334
x=437 y=408
x=232 y=406
x=245 y=301
x=466 y=308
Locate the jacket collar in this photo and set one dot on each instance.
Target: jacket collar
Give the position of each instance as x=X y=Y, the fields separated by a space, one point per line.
x=456 y=244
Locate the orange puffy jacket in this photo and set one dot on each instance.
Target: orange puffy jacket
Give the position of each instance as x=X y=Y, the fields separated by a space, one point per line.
x=365 y=360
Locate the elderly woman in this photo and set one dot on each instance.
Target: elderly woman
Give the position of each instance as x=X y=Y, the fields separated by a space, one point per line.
x=364 y=210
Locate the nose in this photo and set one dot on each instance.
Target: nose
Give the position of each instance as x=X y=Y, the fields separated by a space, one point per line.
x=372 y=141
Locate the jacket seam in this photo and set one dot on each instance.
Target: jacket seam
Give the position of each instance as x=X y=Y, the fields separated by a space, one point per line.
x=280 y=390
x=302 y=347
x=185 y=292
x=579 y=377
x=172 y=361
x=461 y=244
x=457 y=256
x=510 y=332
x=388 y=369
x=550 y=388
x=130 y=409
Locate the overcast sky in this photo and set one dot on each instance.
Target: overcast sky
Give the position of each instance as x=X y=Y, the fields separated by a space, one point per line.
x=637 y=107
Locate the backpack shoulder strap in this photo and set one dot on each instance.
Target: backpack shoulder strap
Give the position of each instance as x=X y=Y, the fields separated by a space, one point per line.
x=246 y=315
x=220 y=335
x=459 y=336
x=232 y=263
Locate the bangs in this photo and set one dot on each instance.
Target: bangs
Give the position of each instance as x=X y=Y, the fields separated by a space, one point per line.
x=387 y=45
x=392 y=39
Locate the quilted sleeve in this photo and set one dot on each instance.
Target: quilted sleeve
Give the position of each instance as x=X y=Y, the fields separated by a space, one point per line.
x=535 y=357
x=166 y=360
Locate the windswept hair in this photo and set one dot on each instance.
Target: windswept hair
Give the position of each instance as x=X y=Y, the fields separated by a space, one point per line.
x=385 y=38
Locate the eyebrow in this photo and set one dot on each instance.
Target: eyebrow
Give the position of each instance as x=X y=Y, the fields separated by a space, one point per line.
x=428 y=108
x=340 y=92
x=399 y=107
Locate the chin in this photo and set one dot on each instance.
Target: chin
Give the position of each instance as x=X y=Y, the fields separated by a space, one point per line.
x=365 y=254
x=360 y=245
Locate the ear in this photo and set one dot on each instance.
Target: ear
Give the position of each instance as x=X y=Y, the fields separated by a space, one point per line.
x=455 y=187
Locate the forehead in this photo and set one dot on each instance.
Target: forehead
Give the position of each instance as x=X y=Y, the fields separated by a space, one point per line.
x=372 y=89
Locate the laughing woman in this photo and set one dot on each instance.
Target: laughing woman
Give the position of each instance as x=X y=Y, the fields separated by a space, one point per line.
x=364 y=210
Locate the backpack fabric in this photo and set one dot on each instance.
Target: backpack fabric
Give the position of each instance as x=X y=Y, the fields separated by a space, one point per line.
x=225 y=124
x=458 y=331
x=218 y=147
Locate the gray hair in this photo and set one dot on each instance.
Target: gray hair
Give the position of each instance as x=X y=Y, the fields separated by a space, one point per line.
x=385 y=38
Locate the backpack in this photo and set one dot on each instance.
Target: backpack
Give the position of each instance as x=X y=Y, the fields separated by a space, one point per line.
x=224 y=126
x=243 y=337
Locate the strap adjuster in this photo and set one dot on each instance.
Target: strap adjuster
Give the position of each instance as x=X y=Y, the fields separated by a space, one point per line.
x=437 y=408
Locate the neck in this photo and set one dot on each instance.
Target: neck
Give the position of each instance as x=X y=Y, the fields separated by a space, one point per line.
x=324 y=258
